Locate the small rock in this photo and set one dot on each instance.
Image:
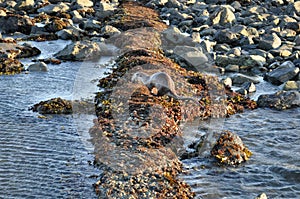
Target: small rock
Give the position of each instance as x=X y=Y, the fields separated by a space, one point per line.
x=40 y=66
x=262 y=196
x=82 y=3
x=242 y=91
x=286 y=71
x=249 y=87
x=227 y=82
x=291 y=85
x=110 y=30
x=232 y=68
x=280 y=100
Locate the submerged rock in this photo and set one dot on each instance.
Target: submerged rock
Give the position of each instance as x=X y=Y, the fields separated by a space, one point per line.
x=280 y=100
x=230 y=150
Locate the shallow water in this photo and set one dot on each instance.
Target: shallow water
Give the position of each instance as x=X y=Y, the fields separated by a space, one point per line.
x=274 y=138
x=49 y=157
x=46 y=158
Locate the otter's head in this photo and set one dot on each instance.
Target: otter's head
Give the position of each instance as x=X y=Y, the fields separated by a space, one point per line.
x=139 y=77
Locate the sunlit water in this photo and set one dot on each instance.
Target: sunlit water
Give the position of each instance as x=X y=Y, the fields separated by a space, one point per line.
x=46 y=158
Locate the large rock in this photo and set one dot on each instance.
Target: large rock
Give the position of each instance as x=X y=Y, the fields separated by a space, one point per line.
x=69 y=34
x=223 y=15
x=280 y=100
x=54 y=8
x=239 y=79
x=79 y=51
x=193 y=56
x=25 y=5
x=269 y=42
x=16 y=23
x=286 y=71
x=173 y=36
x=246 y=61
x=56 y=25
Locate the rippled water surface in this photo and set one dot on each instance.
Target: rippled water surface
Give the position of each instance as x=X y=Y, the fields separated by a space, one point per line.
x=45 y=158
x=274 y=138
x=48 y=158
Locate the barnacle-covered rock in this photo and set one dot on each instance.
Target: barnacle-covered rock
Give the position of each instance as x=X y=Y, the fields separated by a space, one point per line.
x=230 y=150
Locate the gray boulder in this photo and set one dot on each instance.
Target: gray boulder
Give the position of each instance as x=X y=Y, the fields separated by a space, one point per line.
x=280 y=100
x=193 y=56
x=54 y=8
x=286 y=71
x=40 y=66
x=79 y=51
x=239 y=79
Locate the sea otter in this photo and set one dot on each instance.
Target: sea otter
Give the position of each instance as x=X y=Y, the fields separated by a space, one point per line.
x=162 y=82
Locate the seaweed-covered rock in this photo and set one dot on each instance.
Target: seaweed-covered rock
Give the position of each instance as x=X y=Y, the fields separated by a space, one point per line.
x=230 y=150
x=53 y=106
x=280 y=100
x=10 y=66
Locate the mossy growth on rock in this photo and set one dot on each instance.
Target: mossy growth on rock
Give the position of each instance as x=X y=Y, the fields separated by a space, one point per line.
x=53 y=106
x=230 y=150
x=10 y=66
